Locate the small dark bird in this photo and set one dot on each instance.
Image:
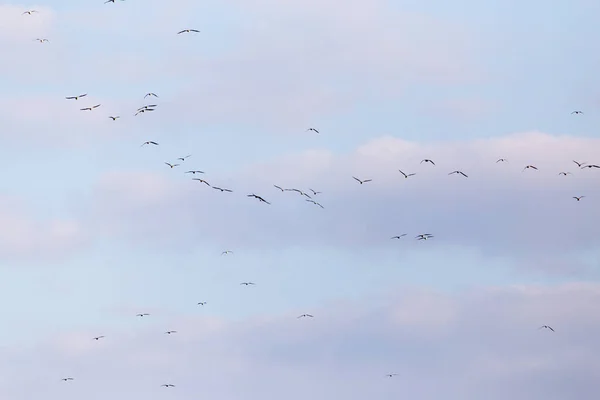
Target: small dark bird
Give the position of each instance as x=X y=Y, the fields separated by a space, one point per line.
x=529 y=166
x=201 y=181
x=590 y=166
x=222 y=189
x=546 y=327
x=226 y=252
x=98 y=337
x=458 y=172
x=247 y=283
x=279 y=187
x=577 y=112
x=143 y=110
x=578 y=198
x=306 y=315
x=312 y=129
x=114 y=118
x=314 y=202
x=427 y=160
x=67 y=379
x=201 y=303
x=579 y=164
x=423 y=236
x=149 y=142
x=146 y=107
x=398 y=237
x=314 y=192
x=167 y=385
x=391 y=375
x=41 y=40
x=183 y=158
x=298 y=191
x=188 y=31
x=258 y=197
x=172 y=165
x=565 y=173
x=150 y=95
x=361 y=182
x=194 y=172
x=90 y=108
x=501 y=160
x=76 y=97
x=170 y=332
x=406 y=175
x=29 y=12
x=142 y=315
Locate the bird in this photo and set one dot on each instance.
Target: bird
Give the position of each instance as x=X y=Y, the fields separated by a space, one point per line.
x=150 y=95
x=398 y=237
x=226 y=252
x=258 y=197
x=501 y=160
x=361 y=182
x=546 y=327
x=194 y=172
x=247 y=283
x=201 y=303
x=201 y=181
x=149 y=142
x=565 y=173
x=172 y=165
x=391 y=375
x=306 y=315
x=529 y=166
x=146 y=107
x=579 y=164
x=423 y=236
x=578 y=198
x=41 y=40
x=279 y=187
x=97 y=338
x=315 y=203
x=427 y=160
x=590 y=166
x=577 y=112
x=299 y=191
x=183 y=158
x=29 y=12
x=406 y=175
x=312 y=129
x=170 y=332
x=142 y=110
x=142 y=315
x=222 y=189
x=167 y=385
x=90 y=108
x=76 y=97
x=114 y=118
x=458 y=172
x=188 y=31
x=67 y=379
x=314 y=192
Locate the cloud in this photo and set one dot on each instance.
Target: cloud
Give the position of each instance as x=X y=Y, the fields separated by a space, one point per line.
x=468 y=345
x=499 y=209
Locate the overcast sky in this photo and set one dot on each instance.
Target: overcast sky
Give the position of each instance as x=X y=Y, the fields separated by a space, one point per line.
x=95 y=229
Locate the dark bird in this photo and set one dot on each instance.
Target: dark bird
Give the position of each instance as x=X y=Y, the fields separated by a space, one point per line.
x=315 y=203
x=226 y=252
x=201 y=181
x=201 y=303
x=222 y=189
x=565 y=173
x=306 y=315
x=279 y=187
x=90 y=108
x=76 y=97
x=150 y=95
x=312 y=129
x=361 y=182
x=194 y=172
x=577 y=112
x=391 y=375
x=172 y=165
x=29 y=12
x=298 y=191
x=247 y=283
x=167 y=385
x=143 y=110
x=41 y=40
x=149 y=142
x=188 y=31
x=114 y=118
x=67 y=379
x=170 y=332
x=258 y=197
x=97 y=337
x=314 y=192
x=398 y=237
x=183 y=158
x=406 y=175
x=146 y=107
x=578 y=198
x=546 y=327
x=529 y=166
x=423 y=236
x=142 y=315
x=590 y=166
x=458 y=172
x=579 y=164
x=501 y=160
x=427 y=160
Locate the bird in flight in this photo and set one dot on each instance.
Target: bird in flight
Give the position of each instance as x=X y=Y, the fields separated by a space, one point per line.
x=183 y=158
x=97 y=338
x=578 y=198
x=423 y=236
x=41 y=40
x=201 y=303
x=67 y=379
x=76 y=97
x=398 y=237
x=170 y=332
x=529 y=166
x=312 y=129
x=391 y=375
x=150 y=95
x=194 y=172
x=306 y=315
x=222 y=189
x=226 y=252
x=501 y=160
x=201 y=181
x=142 y=110
x=590 y=166
x=142 y=315
x=565 y=173
x=577 y=112
x=29 y=12
x=298 y=191
x=406 y=175
x=247 y=283
x=546 y=327
x=114 y=118
x=427 y=160
x=315 y=203
x=188 y=31
x=90 y=108
x=458 y=172
x=149 y=142
x=172 y=165
x=167 y=385
x=279 y=187
x=258 y=197
x=314 y=192
x=579 y=164
x=361 y=182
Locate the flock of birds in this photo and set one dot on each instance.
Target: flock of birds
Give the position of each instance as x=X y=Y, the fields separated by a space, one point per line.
x=309 y=195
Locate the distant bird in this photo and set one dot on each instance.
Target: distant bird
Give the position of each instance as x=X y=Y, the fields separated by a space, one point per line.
x=314 y=192
x=201 y=181
x=67 y=379
x=361 y=182
x=590 y=166
x=142 y=315
x=406 y=175
x=222 y=189
x=194 y=172
x=226 y=252
x=529 y=166
x=458 y=172
x=546 y=327
x=183 y=158
x=201 y=303
x=29 y=12
x=114 y=118
x=146 y=107
x=172 y=165
x=279 y=187
x=149 y=142
x=501 y=160
x=427 y=160
x=41 y=40
x=167 y=385
x=578 y=198
x=170 y=332
x=90 y=108
x=97 y=337
x=142 y=110
x=299 y=191
x=391 y=375
x=577 y=112
x=315 y=203
x=76 y=97
x=150 y=95
x=258 y=197
x=565 y=173
x=312 y=129
x=306 y=315
x=423 y=236
x=579 y=164
x=398 y=237
x=188 y=31
x=247 y=283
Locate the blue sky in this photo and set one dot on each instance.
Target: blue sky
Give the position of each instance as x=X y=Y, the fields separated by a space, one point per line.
x=94 y=229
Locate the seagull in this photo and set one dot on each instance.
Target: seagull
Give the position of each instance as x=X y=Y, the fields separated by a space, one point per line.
x=314 y=192
x=279 y=187
x=361 y=182
x=501 y=160
x=306 y=315
x=201 y=181
x=423 y=236
x=565 y=173
x=577 y=112
x=299 y=191
x=142 y=315
x=29 y=12
x=76 y=97
x=42 y=40
x=183 y=158
x=391 y=375
x=226 y=252
x=114 y=118
x=398 y=237
x=149 y=142
x=314 y=202
x=170 y=332
x=151 y=95
x=406 y=175
x=188 y=31
x=458 y=172
x=222 y=189
x=258 y=197
x=97 y=337
x=427 y=160
x=143 y=110
x=67 y=379
x=546 y=327
x=172 y=165
x=590 y=166
x=312 y=129
x=194 y=172
x=201 y=303
x=147 y=107
x=247 y=283
x=529 y=166
x=579 y=164
x=167 y=385
x=578 y=198
x=90 y=108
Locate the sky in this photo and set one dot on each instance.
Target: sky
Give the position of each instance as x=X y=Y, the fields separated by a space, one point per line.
x=95 y=228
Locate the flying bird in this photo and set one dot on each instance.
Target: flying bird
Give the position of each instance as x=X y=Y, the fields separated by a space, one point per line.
x=314 y=192
x=167 y=385
x=398 y=237
x=183 y=158
x=577 y=112
x=222 y=189
x=142 y=315
x=458 y=172
x=529 y=166
x=361 y=182
x=226 y=252
x=194 y=172
x=172 y=165
x=546 y=327
x=501 y=160
x=427 y=160
x=114 y=118
x=312 y=129
x=247 y=283
x=143 y=110
x=258 y=197
x=201 y=181
x=565 y=173
x=315 y=203
x=41 y=40
x=150 y=95
x=97 y=338
x=391 y=375
x=188 y=31
x=29 y=12
x=299 y=191
x=590 y=166
x=406 y=175
x=423 y=236
x=279 y=187
x=201 y=303
x=306 y=315
x=76 y=97
x=149 y=142
x=146 y=107
x=67 y=379
x=579 y=164
x=578 y=198
x=90 y=108
x=170 y=332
